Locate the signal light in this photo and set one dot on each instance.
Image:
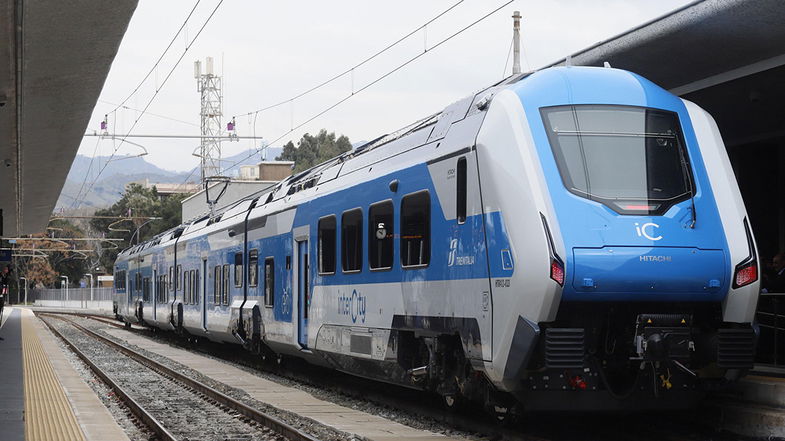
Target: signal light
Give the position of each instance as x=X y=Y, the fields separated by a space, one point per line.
x=577 y=382
x=746 y=274
x=557 y=272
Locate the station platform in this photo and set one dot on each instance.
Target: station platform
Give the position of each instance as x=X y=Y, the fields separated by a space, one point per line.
x=42 y=397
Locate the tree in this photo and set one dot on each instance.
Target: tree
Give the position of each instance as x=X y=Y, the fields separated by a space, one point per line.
x=137 y=202
x=312 y=150
x=44 y=268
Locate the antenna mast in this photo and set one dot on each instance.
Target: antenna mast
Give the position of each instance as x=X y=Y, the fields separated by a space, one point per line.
x=209 y=86
x=516 y=42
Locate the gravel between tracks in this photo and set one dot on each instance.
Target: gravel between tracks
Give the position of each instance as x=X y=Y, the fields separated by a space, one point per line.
x=185 y=414
x=404 y=417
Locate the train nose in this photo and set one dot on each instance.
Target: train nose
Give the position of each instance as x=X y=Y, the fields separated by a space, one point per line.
x=637 y=273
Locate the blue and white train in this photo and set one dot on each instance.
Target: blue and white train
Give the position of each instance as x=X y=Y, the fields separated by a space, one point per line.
x=569 y=239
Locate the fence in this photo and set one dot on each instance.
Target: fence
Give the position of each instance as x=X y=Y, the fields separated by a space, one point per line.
x=73 y=298
x=771 y=320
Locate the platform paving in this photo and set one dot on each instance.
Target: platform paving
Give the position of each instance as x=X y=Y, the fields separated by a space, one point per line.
x=368 y=426
x=95 y=420
x=12 y=425
x=42 y=397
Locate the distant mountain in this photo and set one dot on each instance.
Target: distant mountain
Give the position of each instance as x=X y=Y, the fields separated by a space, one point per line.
x=123 y=170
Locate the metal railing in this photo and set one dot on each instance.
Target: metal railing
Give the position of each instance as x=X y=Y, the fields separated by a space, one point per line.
x=771 y=320
x=73 y=298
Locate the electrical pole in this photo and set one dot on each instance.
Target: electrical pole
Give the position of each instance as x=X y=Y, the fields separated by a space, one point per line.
x=516 y=42
x=209 y=86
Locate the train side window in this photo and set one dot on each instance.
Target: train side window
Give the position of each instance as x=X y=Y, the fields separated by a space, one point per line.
x=178 y=278
x=326 y=245
x=146 y=289
x=253 y=268
x=460 y=191
x=186 y=286
x=195 y=286
x=171 y=277
x=138 y=282
x=238 y=270
x=217 y=285
x=380 y=235
x=269 y=281
x=225 y=285
x=416 y=229
x=352 y=240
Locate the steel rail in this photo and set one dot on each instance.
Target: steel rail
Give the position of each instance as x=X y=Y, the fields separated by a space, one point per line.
x=135 y=407
x=274 y=424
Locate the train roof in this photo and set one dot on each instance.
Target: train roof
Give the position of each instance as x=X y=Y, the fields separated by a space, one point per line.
x=431 y=128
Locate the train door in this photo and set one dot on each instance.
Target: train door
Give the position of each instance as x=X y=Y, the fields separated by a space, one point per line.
x=303 y=299
x=204 y=293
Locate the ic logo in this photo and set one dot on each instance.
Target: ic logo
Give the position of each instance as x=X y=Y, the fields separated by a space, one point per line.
x=645 y=230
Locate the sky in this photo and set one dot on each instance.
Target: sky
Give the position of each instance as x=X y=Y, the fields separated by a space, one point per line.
x=270 y=51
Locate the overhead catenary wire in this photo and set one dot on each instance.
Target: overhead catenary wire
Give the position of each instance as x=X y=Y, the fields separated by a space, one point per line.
x=353 y=93
x=351 y=69
x=149 y=102
x=157 y=62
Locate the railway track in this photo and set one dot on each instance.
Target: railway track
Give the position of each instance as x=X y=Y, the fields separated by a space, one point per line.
x=530 y=427
x=172 y=405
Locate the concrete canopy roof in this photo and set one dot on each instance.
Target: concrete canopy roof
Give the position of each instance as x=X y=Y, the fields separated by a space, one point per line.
x=701 y=44
x=725 y=55
x=56 y=57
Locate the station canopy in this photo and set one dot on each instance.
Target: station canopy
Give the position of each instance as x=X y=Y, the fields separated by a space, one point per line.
x=54 y=59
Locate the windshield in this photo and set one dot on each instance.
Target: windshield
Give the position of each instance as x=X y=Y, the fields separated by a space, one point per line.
x=629 y=158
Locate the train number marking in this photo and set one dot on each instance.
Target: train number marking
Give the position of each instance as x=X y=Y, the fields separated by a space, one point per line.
x=643 y=232
x=502 y=283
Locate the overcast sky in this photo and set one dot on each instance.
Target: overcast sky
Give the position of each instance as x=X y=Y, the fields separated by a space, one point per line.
x=269 y=51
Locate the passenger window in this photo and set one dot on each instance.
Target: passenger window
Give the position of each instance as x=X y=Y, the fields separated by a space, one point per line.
x=171 y=277
x=460 y=191
x=416 y=229
x=138 y=284
x=186 y=289
x=179 y=281
x=217 y=286
x=238 y=270
x=269 y=281
x=253 y=268
x=195 y=287
x=380 y=235
x=225 y=286
x=326 y=245
x=352 y=240
x=146 y=290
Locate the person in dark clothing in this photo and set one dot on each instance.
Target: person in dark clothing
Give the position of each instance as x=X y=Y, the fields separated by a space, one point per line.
x=5 y=280
x=776 y=281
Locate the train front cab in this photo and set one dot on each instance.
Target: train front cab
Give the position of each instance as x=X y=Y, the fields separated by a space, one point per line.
x=652 y=265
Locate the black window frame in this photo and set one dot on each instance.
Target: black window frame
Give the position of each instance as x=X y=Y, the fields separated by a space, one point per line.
x=238 y=270
x=225 y=285
x=373 y=240
x=253 y=268
x=358 y=245
x=320 y=247
x=269 y=282
x=404 y=232
x=461 y=190
x=217 y=284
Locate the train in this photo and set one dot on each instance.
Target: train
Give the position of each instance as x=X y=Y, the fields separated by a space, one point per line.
x=571 y=239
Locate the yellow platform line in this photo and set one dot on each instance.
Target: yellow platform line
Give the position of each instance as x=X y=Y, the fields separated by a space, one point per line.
x=48 y=413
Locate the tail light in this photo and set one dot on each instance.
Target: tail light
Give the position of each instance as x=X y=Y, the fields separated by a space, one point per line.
x=557 y=271
x=746 y=274
x=557 y=265
x=747 y=271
